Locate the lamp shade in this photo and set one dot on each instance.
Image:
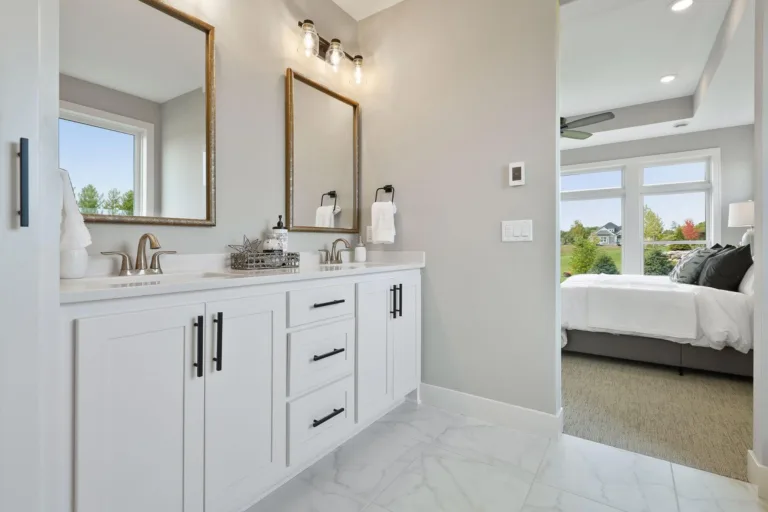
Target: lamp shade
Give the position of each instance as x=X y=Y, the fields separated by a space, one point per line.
x=741 y=215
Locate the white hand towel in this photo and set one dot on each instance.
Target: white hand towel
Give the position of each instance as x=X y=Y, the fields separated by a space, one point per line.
x=383 y=222
x=324 y=218
x=74 y=234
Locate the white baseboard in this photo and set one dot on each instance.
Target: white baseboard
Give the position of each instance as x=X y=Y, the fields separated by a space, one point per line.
x=499 y=413
x=757 y=474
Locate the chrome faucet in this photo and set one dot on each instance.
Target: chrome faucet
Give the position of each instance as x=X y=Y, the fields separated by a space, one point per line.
x=336 y=255
x=141 y=258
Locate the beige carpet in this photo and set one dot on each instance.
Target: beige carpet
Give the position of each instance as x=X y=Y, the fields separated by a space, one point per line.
x=701 y=420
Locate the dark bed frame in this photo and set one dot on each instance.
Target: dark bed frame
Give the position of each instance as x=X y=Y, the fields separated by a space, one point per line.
x=668 y=353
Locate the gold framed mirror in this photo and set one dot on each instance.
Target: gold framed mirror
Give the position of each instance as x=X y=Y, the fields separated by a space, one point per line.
x=138 y=112
x=322 y=158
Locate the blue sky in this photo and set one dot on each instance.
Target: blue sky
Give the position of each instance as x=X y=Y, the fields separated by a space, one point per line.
x=102 y=158
x=674 y=207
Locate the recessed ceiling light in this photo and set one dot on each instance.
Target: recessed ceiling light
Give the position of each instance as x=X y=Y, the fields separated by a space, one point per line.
x=681 y=5
x=667 y=79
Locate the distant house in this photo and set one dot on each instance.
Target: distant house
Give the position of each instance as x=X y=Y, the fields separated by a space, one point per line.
x=610 y=234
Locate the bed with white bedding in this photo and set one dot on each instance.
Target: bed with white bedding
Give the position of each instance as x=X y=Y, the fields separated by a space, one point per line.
x=654 y=308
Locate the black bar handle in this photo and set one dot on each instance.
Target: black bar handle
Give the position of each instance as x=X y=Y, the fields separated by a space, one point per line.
x=332 y=303
x=394 y=301
x=335 y=413
x=400 y=309
x=219 y=321
x=329 y=354
x=200 y=324
x=24 y=182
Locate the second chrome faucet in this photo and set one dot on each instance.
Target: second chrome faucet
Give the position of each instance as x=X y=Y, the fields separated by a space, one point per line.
x=141 y=267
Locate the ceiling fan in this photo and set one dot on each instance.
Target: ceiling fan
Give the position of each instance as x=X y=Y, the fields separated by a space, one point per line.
x=567 y=128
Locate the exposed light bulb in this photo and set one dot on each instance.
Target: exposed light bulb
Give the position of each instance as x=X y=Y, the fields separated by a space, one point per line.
x=681 y=5
x=358 y=69
x=310 y=41
x=335 y=54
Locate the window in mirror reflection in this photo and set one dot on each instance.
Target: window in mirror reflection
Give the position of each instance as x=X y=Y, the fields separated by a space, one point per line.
x=106 y=160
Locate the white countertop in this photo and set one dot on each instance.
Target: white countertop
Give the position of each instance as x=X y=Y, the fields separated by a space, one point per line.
x=188 y=280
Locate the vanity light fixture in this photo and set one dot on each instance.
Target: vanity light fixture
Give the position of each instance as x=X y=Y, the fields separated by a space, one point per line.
x=335 y=54
x=310 y=40
x=681 y=5
x=314 y=45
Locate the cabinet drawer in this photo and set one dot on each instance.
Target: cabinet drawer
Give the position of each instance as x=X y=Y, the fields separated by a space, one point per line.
x=316 y=304
x=319 y=420
x=320 y=355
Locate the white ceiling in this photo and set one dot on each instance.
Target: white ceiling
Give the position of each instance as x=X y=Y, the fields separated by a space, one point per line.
x=613 y=53
x=360 y=9
x=130 y=47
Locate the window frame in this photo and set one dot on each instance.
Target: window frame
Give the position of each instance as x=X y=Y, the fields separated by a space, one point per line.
x=633 y=193
x=144 y=147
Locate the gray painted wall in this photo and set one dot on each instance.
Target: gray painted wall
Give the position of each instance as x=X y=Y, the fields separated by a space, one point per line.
x=255 y=43
x=103 y=98
x=737 y=155
x=450 y=102
x=183 y=177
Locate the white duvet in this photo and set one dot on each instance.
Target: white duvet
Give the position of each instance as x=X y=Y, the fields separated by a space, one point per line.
x=655 y=307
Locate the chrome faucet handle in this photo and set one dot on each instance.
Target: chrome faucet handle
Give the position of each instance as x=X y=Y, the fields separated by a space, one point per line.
x=125 y=268
x=325 y=256
x=155 y=265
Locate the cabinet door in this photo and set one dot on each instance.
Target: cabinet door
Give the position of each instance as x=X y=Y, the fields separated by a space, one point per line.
x=244 y=424
x=139 y=419
x=374 y=348
x=406 y=335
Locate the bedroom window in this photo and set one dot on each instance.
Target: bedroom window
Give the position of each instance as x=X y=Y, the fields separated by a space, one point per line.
x=668 y=204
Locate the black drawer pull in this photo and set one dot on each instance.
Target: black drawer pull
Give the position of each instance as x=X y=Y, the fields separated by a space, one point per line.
x=394 y=301
x=400 y=308
x=335 y=413
x=332 y=303
x=200 y=333
x=329 y=354
x=219 y=321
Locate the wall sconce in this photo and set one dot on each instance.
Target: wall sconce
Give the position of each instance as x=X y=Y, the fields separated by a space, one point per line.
x=313 y=45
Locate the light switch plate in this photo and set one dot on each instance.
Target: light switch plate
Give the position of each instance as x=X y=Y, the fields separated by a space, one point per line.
x=517 y=231
x=517 y=174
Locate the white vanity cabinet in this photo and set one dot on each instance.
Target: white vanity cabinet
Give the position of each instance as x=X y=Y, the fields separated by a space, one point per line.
x=139 y=412
x=388 y=342
x=205 y=401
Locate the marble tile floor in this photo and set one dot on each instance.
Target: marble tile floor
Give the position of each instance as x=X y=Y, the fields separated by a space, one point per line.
x=422 y=459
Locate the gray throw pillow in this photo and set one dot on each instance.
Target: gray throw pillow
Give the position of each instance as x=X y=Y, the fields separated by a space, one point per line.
x=689 y=267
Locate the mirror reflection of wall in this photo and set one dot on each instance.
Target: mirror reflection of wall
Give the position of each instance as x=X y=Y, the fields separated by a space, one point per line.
x=323 y=155
x=132 y=127
x=323 y=139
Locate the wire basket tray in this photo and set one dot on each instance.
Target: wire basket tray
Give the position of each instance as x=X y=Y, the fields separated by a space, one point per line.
x=264 y=260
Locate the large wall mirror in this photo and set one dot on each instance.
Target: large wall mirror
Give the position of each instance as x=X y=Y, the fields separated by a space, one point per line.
x=136 y=124
x=322 y=158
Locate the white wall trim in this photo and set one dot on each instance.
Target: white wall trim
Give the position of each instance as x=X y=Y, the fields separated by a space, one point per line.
x=499 y=413
x=757 y=474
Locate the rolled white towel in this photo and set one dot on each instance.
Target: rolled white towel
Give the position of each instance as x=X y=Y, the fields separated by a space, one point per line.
x=74 y=233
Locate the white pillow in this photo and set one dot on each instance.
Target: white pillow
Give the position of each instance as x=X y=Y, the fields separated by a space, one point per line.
x=747 y=285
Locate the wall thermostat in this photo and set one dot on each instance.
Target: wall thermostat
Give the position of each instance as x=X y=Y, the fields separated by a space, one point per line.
x=517 y=174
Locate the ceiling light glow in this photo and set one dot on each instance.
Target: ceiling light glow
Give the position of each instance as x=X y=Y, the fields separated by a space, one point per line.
x=668 y=79
x=681 y=5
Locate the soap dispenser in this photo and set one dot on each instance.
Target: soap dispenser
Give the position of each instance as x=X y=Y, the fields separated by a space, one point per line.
x=361 y=253
x=281 y=234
